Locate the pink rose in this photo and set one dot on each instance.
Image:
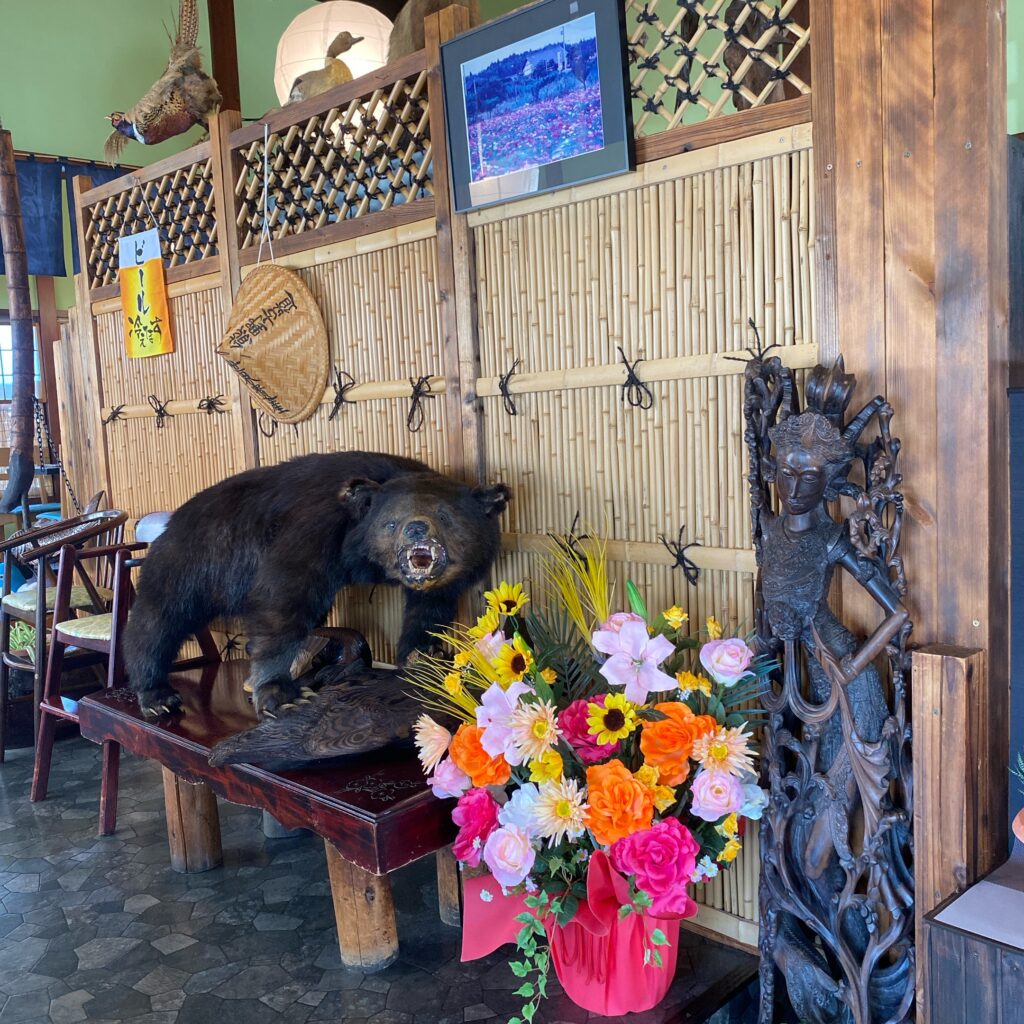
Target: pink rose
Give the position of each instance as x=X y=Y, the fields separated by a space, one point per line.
x=476 y=814
x=448 y=780
x=716 y=794
x=572 y=722
x=662 y=858
x=617 y=620
x=509 y=855
x=728 y=661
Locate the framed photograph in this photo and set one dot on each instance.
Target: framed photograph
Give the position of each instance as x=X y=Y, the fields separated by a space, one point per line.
x=536 y=101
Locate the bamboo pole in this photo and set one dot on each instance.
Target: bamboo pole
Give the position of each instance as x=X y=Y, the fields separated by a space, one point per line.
x=21 y=469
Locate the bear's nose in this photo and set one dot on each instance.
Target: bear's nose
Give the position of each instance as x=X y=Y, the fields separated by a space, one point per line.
x=416 y=530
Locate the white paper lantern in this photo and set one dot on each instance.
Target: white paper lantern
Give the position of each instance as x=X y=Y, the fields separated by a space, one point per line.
x=303 y=46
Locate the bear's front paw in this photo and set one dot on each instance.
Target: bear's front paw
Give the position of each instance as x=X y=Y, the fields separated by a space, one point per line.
x=157 y=703
x=270 y=698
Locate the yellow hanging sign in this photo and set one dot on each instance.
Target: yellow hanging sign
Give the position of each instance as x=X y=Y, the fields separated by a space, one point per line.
x=147 y=322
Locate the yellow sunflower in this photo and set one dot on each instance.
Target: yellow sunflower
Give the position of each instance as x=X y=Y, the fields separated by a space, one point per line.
x=615 y=721
x=675 y=616
x=487 y=623
x=507 y=599
x=514 y=660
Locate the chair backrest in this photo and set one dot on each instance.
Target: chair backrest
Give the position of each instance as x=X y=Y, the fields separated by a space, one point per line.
x=150 y=526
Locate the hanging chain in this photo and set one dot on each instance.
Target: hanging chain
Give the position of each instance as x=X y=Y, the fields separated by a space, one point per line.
x=42 y=423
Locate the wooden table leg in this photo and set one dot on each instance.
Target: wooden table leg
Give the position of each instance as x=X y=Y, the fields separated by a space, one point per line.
x=364 y=913
x=193 y=826
x=449 y=888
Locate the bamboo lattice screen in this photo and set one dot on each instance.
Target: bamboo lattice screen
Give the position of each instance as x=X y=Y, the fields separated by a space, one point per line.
x=663 y=266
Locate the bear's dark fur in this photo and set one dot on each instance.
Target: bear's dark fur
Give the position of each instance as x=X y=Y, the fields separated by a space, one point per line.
x=275 y=545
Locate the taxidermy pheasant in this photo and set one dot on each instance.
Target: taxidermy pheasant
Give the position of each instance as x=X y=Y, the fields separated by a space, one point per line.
x=184 y=94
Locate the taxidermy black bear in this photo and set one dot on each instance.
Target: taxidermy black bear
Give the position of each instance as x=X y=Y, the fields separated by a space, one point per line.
x=274 y=545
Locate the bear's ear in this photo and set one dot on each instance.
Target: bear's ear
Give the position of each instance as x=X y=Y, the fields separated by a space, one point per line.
x=356 y=494
x=492 y=499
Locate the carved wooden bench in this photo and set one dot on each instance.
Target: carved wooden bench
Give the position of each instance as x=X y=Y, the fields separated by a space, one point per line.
x=374 y=813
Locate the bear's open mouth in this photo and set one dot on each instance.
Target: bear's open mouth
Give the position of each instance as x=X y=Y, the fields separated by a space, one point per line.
x=422 y=562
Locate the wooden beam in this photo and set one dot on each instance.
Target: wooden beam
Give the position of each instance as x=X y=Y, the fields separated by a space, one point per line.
x=456 y=271
x=224 y=52
x=49 y=335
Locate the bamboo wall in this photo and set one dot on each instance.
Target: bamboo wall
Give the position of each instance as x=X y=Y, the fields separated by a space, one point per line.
x=667 y=263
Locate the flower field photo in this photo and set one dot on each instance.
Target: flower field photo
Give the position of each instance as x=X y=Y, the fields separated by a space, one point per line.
x=534 y=102
x=602 y=765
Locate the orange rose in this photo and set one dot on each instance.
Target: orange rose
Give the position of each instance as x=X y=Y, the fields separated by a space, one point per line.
x=470 y=756
x=668 y=743
x=619 y=805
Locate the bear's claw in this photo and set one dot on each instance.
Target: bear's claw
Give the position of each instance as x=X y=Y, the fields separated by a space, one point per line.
x=155 y=706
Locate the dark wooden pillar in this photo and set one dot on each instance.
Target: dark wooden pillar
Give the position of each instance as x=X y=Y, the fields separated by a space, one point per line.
x=224 y=52
x=909 y=105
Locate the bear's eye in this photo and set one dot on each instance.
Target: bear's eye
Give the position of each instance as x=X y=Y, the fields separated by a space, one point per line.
x=444 y=517
x=390 y=526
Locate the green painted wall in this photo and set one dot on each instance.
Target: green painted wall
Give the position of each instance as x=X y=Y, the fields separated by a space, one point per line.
x=66 y=64
x=1015 y=66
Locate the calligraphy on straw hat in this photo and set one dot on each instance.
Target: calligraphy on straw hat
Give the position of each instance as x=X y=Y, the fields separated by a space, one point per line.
x=277 y=343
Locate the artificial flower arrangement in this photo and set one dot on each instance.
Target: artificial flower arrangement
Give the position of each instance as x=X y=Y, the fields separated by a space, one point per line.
x=602 y=768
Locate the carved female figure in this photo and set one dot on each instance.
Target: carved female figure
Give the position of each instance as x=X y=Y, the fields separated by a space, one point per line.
x=836 y=889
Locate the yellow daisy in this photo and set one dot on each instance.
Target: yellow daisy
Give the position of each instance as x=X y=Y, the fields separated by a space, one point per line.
x=688 y=682
x=487 y=623
x=507 y=599
x=725 y=750
x=664 y=796
x=546 y=768
x=513 y=662
x=675 y=616
x=729 y=854
x=549 y=675
x=615 y=721
x=534 y=729
x=559 y=811
x=714 y=628
x=453 y=684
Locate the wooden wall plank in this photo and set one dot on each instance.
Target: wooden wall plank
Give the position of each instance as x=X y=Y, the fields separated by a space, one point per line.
x=908 y=182
x=971 y=371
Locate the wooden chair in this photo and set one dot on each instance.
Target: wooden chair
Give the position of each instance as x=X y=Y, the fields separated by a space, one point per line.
x=100 y=634
x=33 y=551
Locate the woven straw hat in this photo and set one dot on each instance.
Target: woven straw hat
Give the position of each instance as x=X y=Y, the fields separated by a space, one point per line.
x=277 y=342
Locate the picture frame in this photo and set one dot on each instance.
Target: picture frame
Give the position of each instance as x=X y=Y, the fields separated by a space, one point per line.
x=537 y=100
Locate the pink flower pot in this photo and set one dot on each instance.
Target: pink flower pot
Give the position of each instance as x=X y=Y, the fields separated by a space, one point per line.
x=605 y=973
x=599 y=959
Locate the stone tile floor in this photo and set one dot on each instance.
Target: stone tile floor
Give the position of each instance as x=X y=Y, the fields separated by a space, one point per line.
x=103 y=930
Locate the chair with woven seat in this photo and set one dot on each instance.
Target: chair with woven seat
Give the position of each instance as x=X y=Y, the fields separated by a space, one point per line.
x=33 y=552
x=99 y=633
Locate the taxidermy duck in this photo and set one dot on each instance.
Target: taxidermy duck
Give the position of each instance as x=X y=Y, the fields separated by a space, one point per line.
x=334 y=72
x=357 y=710
x=184 y=94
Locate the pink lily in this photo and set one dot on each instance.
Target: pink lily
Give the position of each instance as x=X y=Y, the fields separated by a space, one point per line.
x=633 y=660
